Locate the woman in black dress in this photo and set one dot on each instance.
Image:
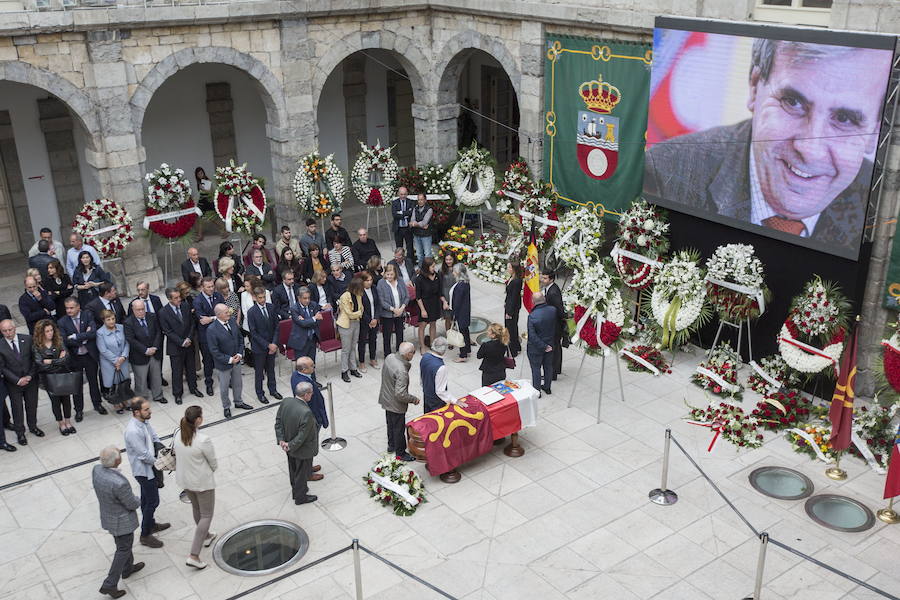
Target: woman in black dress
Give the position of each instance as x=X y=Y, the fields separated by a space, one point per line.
x=492 y=353
x=88 y=277
x=59 y=286
x=428 y=298
x=512 y=304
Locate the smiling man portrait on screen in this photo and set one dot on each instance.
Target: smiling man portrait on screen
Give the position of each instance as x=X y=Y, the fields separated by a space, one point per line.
x=801 y=164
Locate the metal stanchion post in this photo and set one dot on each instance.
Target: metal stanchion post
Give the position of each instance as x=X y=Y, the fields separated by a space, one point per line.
x=760 y=566
x=577 y=379
x=357 y=572
x=662 y=495
x=621 y=385
x=334 y=443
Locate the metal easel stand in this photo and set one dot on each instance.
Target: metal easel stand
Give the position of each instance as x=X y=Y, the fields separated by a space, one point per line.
x=740 y=329
x=379 y=213
x=602 y=377
x=480 y=214
x=168 y=259
x=334 y=443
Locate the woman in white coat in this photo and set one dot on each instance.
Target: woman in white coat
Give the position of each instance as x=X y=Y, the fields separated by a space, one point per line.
x=195 y=462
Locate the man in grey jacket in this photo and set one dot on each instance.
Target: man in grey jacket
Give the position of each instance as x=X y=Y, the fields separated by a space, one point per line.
x=118 y=515
x=395 y=398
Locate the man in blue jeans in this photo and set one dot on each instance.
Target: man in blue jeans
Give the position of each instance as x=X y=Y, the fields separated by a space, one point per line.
x=541 y=329
x=140 y=445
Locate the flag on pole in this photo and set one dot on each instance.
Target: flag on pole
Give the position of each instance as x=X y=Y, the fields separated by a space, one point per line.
x=532 y=274
x=841 y=412
x=892 y=483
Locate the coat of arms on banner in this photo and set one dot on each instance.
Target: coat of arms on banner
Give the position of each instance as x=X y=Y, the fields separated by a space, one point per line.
x=598 y=130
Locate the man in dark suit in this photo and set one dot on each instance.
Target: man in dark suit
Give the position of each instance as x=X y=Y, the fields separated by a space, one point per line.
x=260 y=268
x=806 y=173
x=204 y=311
x=153 y=304
x=177 y=326
x=79 y=332
x=406 y=268
x=40 y=260
x=195 y=264
x=541 y=329
x=226 y=345
x=107 y=300
x=5 y=416
x=336 y=232
x=305 y=370
x=553 y=296
x=20 y=374
x=298 y=435
x=262 y=321
x=284 y=296
x=145 y=341
x=35 y=304
x=401 y=211
x=306 y=316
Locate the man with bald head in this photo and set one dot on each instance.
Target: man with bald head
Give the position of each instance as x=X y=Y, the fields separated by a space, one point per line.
x=395 y=398
x=195 y=264
x=144 y=336
x=305 y=371
x=226 y=345
x=541 y=333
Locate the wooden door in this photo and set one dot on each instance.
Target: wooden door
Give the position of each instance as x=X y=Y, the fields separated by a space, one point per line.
x=9 y=241
x=499 y=132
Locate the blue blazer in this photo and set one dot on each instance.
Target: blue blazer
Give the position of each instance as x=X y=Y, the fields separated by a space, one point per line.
x=305 y=327
x=262 y=331
x=34 y=310
x=541 y=328
x=203 y=309
x=223 y=345
x=317 y=404
x=86 y=337
x=280 y=300
x=461 y=304
x=112 y=345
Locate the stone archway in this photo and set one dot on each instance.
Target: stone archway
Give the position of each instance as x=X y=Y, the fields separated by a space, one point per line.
x=452 y=58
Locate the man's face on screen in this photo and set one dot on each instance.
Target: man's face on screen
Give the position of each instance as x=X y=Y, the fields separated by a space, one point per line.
x=821 y=112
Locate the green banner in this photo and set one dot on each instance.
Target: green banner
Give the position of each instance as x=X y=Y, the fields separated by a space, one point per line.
x=596 y=94
x=892 y=279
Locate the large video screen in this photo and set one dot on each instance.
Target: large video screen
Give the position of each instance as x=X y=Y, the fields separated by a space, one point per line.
x=769 y=129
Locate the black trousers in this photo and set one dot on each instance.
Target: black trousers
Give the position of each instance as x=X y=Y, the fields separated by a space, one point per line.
x=467 y=343
x=309 y=349
x=87 y=364
x=489 y=377
x=391 y=326
x=512 y=325
x=61 y=407
x=149 y=502
x=122 y=562
x=396 y=431
x=368 y=336
x=264 y=363
x=207 y=362
x=184 y=365
x=557 y=356
x=404 y=235
x=23 y=401
x=299 y=470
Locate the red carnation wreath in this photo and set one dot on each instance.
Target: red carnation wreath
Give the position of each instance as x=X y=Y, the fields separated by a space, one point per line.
x=609 y=331
x=172 y=228
x=891 y=361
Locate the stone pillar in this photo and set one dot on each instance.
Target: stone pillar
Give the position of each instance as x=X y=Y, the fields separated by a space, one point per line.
x=354 y=68
x=119 y=161
x=220 y=109
x=436 y=135
x=531 y=95
x=56 y=124
x=9 y=163
x=298 y=134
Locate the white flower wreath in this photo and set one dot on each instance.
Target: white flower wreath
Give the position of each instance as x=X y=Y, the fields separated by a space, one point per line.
x=642 y=230
x=318 y=184
x=167 y=188
x=580 y=237
x=474 y=165
x=679 y=297
x=93 y=214
x=374 y=158
x=489 y=258
x=592 y=295
x=805 y=361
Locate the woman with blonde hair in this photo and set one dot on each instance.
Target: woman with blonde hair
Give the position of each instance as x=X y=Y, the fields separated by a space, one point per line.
x=350 y=310
x=493 y=353
x=196 y=462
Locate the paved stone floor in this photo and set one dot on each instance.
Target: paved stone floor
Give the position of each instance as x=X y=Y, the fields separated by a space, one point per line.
x=569 y=519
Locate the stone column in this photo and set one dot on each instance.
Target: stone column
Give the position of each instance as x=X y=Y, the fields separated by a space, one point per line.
x=298 y=134
x=220 y=108
x=118 y=162
x=436 y=135
x=531 y=95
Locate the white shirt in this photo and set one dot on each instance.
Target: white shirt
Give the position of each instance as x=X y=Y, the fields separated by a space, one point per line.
x=371 y=298
x=396 y=293
x=196 y=267
x=441 y=383
x=403 y=271
x=760 y=209
x=323 y=297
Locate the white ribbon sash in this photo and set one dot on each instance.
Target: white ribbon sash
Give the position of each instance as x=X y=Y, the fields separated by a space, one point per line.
x=97 y=232
x=741 y=289
x=639 y=361
x=465 y=185
x=480 y=254
x=809 y=440
x=177 y=214
x=866 y=453
x=544 y=221
x=394 y=487
x=812 y=350
x=430 y=197
x=718 y=379
x=446 y=243
x=616 y=252
x=759 y=371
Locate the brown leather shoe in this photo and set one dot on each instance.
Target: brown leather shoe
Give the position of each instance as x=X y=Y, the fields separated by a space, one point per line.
x=151 y=541
x=316 y=477
x=316 y=468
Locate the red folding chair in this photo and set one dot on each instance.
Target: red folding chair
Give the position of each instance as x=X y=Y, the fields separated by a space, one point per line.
x=328 y=340
x=215 y=266
x=284 y=333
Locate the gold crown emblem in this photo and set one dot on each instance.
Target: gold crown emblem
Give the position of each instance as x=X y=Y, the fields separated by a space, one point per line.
x=600 y=96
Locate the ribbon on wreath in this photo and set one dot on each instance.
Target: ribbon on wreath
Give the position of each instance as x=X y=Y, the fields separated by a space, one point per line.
x=177 y=214
x=579 y=325
x=812 y=443
x=617 y=252
x=741 y=289
x=649 y=366
x=400 y=490
x=761 y=372
x=866 y=453
x=248 y=200
x=97 y=232
x=812 y=350
x=729 y=387
x=716 y=426
x=669 y=320
x=465 y=185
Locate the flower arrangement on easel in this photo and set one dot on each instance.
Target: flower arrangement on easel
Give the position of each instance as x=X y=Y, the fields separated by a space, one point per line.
x=318 y=185
x=812 y=337
x=374 y=175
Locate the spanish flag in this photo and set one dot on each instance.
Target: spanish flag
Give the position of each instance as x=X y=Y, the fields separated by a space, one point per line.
x=841 y=412
x=532 y=275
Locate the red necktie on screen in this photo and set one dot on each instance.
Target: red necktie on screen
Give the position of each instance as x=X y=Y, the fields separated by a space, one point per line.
x=785 y=225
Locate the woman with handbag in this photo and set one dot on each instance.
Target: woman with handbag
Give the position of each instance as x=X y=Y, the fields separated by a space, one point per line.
x=447 y=282
x=52 y=362
x=460 y=301
x=196 y=462
x=494 y=355
x=428 y=299
x=350 y=307
x=392 y=300
x=114 y=368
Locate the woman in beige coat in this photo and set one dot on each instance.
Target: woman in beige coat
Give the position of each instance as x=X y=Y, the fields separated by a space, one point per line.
x=195 y=462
